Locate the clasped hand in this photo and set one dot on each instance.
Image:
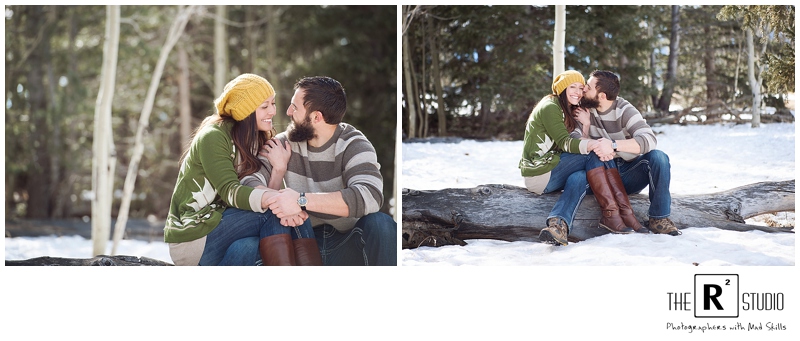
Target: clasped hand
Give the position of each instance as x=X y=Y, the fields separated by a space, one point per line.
x=284 y=205
x=602 y=147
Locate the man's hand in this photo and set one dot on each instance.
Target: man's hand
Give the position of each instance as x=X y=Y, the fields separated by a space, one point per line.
x=284 y=204
x=604 y=150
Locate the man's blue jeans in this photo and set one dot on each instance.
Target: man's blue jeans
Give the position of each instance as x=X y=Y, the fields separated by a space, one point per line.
x=235 y=240
x=570 y=175
x=650 y=169
x=373 y=241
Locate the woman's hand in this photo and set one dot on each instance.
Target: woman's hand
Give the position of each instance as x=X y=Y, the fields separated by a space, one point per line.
x=277 y=152
x=582 y=116
x=295 y=220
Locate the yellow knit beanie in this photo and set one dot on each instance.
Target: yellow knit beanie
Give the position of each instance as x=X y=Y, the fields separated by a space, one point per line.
x=243 y=95
x=564 y=79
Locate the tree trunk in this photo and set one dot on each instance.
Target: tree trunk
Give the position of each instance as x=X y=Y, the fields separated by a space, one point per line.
x=755 y=83
x=220 y=50
x=175 y=32
x=100 y=260
x=423 y=106
x=558 y=40
x=184 y=95
x=672 y=67
x=410 y=102
x=104 y=162
x=436 y=76
x=449 y=216
x=709 y=61
x=654 y=95
x=37 y=187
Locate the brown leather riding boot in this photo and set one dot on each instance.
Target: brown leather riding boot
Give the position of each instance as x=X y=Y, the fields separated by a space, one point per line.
x=306 y=252
x=277 y=250
x=610 y=219
x=624 y=203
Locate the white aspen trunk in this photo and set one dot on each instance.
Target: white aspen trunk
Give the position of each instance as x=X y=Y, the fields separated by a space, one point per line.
x=175 y=31
x=755 y=85
x=220 y=50
x=102 y=148
x=558 y=40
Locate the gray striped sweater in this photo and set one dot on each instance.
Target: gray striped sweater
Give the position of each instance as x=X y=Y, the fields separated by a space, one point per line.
x=346 y=163
x=623 y=121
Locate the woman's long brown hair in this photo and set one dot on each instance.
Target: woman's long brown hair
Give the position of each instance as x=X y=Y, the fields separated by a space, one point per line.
x=246 y=137
x=248 y=140
x=567 y=109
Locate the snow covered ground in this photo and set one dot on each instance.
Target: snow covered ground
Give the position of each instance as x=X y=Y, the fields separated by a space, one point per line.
x=704 y=159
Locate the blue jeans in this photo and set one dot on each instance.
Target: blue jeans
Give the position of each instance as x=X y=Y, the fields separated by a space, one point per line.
x=650 y=169
x=235 y=240
x=570 y=175
x=372 y=241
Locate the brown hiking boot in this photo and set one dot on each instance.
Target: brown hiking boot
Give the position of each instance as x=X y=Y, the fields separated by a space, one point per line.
x=663 y=226
x=555 y=233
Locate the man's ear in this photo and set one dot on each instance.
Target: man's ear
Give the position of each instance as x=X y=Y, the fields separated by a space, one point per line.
x=318 y=116
x=601 y=96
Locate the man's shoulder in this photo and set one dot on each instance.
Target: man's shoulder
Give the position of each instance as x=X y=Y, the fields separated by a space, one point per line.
x=349 y=132
x=352 y=140
x=622 y=104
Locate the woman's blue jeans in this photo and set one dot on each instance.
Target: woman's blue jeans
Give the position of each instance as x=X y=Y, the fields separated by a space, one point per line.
x=373 y=241
x=235 y=240
x=570 y=175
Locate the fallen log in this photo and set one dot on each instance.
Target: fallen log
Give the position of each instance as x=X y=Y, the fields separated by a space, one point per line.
x=511 y=213
x=101 y=260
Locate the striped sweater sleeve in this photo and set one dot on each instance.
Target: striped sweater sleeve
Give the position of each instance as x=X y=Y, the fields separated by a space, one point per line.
x=361 y=174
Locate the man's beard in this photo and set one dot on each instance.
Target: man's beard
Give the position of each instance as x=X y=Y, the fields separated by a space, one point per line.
x=301 y=132
x=589 y=103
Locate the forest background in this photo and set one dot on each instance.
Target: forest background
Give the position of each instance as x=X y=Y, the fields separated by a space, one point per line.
x=478 y=71
x=53 y=58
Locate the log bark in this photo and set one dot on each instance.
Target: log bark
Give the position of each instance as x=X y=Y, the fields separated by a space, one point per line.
x=101 y=260
x=511 y=213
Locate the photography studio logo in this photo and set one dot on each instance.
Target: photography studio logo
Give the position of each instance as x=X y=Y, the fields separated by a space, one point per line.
x=716 y=295
x=719 y=303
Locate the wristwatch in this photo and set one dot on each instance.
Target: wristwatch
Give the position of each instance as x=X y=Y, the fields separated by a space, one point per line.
x=302 y=201
x=614 y=145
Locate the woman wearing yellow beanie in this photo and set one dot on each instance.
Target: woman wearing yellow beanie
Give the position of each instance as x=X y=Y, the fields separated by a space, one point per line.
x=554 y=156
x=213 y=219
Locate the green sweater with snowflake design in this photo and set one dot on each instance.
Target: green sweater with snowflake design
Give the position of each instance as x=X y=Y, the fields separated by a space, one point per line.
x=546 y=138
x=207 y=184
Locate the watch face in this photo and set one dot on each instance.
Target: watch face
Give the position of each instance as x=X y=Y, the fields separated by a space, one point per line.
x=302 y=201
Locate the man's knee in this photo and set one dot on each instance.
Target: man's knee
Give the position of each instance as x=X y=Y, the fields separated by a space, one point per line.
x=379 y=224
x=658 y=157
